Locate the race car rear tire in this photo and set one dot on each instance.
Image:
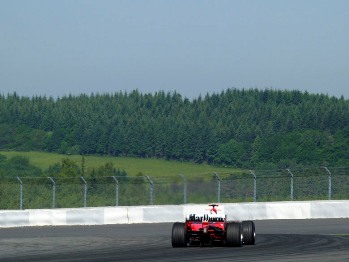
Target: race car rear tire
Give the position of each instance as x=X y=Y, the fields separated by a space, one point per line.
x=179 y=238
x=249 y=232
x=234 y=237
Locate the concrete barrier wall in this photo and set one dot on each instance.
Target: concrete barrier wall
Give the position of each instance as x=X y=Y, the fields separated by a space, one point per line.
x=160 y=214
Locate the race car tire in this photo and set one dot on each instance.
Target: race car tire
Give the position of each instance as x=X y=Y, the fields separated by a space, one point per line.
x=179 y=238
x=249 y=232
x=234 y=237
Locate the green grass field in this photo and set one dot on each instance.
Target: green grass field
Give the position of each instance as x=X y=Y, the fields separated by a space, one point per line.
x=167 y=187
x=132 y=166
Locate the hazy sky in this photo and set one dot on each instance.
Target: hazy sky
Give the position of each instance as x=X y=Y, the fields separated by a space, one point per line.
x=62 y=47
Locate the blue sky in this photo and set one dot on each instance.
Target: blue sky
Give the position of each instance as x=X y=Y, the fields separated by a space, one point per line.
x=62 y=47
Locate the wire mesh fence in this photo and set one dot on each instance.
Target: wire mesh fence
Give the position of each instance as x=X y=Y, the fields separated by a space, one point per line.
x=250 y=186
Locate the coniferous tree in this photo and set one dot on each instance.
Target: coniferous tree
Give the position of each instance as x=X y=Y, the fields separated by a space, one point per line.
x=283 y=125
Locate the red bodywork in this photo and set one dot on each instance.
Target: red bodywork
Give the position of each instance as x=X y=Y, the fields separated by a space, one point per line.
x=206 y=229
x=212 y=228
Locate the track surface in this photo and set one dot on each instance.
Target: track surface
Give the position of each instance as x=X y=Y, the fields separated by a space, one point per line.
x=277 y=240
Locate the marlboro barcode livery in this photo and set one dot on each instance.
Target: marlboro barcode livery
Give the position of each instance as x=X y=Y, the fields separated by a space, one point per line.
x=212 y=229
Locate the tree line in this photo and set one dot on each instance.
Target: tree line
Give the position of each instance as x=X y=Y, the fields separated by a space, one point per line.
x=237 y=127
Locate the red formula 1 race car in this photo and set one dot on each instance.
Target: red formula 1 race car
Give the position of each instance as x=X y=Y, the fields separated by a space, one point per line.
x=211 y=229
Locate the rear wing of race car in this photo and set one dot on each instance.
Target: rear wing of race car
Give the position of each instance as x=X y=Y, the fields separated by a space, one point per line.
x=206 y=217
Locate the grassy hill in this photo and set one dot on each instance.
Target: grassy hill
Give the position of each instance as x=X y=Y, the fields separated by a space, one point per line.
x=167 y=187
x=132 y=190
x=132 y=166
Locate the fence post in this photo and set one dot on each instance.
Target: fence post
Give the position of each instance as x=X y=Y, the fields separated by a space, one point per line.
x=85 y=190
x=254 y=186
x=151 y=184
x=20 y=193
x=184 y=188
x=329 y=183
x=116 y=191
x=289 y=171
x=53 y=192
x=218 y=187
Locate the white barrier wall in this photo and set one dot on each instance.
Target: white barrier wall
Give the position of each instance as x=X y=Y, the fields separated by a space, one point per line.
x=161 y=214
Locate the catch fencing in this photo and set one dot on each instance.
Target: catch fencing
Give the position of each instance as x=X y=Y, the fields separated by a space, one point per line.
x=250 y=186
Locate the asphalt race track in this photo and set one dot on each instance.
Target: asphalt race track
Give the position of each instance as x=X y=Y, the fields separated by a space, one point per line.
x=277 y=240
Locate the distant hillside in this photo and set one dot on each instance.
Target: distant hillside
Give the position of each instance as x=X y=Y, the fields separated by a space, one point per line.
x=240 y=128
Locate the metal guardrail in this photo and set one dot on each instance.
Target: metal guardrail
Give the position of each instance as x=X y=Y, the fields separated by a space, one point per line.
x=264 y=185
